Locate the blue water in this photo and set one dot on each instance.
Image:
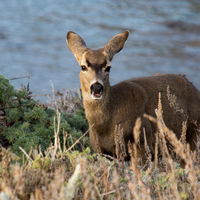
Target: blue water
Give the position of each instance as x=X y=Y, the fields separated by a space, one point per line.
x=165 y=38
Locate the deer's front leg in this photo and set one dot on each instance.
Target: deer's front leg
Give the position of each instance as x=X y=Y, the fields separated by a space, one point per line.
x=94 y=141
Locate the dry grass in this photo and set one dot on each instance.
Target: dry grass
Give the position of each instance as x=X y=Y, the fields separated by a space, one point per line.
x=68 y=100
x=61 y=173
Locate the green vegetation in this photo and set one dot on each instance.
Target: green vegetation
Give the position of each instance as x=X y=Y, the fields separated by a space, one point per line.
x=27 y=124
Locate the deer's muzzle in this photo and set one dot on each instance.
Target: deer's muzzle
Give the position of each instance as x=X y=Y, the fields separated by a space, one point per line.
x=96 y=90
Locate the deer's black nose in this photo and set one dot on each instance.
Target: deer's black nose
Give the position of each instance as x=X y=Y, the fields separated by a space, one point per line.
x=96 y=89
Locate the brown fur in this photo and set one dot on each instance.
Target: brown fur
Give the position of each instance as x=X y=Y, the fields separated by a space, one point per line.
x=124 y=102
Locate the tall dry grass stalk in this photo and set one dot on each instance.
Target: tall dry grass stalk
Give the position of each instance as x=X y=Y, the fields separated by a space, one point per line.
x=179 y=147
x=173 y=101
x=57 y=145
x=166 y=154
x=184 y=131
x=135 y=159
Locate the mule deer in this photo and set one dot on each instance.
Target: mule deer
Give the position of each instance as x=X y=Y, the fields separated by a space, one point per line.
x=107 y=106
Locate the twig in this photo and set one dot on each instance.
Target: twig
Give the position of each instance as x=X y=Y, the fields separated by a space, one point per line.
x=97 y=192
x=56 y=135
x=27 y=156
x=111 y=192
x=77 y=141
x=149 y=117
x=20 y=77
x=110 y=158
x=64 y=139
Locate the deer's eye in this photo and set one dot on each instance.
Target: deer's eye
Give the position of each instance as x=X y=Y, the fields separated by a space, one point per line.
x=83 y=68
x=108 y=69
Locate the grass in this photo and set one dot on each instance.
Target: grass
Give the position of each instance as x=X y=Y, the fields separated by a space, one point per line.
x=62 y=172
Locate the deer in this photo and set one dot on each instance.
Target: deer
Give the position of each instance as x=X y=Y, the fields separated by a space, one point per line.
x=109 y=106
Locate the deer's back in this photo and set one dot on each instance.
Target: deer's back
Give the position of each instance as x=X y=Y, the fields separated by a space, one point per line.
x=180 y=99
x=176 y=91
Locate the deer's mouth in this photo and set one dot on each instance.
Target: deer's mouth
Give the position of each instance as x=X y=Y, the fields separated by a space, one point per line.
x=96 y=90
x=97 y=95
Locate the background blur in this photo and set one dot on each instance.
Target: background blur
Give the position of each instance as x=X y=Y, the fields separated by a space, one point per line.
x=165 y=38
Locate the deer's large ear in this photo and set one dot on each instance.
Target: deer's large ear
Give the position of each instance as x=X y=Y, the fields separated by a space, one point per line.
x=116 y=44
x=76 y=44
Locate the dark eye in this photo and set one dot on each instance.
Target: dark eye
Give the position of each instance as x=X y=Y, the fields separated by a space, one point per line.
x=83 y=68
x=108 y=69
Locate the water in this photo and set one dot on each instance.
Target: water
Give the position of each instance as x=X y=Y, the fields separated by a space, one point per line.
x=165 y=38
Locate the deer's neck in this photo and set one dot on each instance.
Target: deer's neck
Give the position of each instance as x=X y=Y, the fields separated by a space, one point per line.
x=99 y=111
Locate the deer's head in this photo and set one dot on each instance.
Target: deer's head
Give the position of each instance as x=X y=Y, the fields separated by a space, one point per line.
x=95 y=64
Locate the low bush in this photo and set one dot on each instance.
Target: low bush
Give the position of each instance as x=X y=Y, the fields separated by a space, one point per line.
x=26 y=123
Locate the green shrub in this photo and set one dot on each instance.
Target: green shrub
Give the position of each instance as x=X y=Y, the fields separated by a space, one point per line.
x=27 y=123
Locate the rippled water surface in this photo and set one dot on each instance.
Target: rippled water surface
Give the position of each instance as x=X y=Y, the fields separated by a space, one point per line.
x=165 y=38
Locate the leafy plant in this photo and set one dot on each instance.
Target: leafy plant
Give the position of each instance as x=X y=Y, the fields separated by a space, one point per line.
x=27 y=123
